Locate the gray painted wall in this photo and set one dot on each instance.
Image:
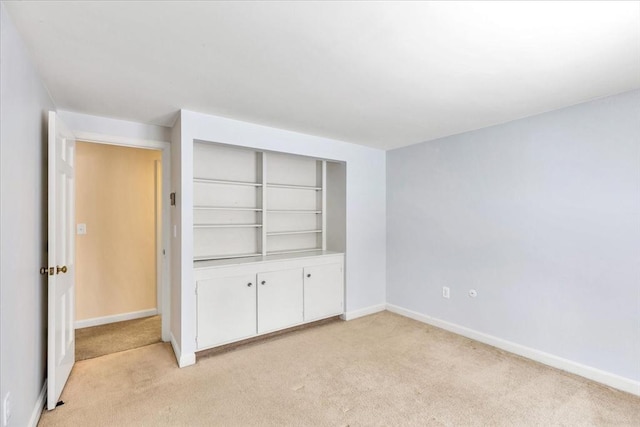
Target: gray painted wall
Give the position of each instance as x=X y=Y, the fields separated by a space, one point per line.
x=541 y=216
x=23 y=107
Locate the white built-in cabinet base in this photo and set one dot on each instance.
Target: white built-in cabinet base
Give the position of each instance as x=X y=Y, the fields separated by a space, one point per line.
x=246 y=297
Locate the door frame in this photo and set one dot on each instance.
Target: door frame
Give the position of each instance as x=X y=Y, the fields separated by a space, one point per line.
x=163 y=291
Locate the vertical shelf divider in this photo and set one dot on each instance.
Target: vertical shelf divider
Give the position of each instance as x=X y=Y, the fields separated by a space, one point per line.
x=323 y=214
x=264 y=204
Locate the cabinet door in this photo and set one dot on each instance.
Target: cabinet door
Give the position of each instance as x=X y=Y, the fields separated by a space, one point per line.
x=323 y=291
x=279 y=299
x=226 y=309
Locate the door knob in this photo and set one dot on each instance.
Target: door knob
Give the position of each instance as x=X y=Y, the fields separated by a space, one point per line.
x=249 y=284
x=61 y=269
x=264 y=282
x=309 y=275
x=44 y=270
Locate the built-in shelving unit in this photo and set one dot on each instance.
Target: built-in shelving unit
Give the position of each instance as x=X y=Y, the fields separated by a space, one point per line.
x=249 y=203
x=227 y=196
x=264 y=257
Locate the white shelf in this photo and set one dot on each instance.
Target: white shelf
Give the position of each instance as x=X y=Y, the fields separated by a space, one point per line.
x=214 y=257
x=244 y=197
x=293 y=211
x=227 y=225
x=293 y=251
x=223 y=182
x=294 y=187
x=222 y=208
x=284 y=233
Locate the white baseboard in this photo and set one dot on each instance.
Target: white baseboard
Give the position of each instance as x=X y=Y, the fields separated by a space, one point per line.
x=39 y=407
x=182 y=359
x=96 y=321
x=350 y=315
x=607 y=378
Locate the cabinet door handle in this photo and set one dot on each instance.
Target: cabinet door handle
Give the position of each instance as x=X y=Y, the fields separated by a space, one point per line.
x=309 y=275
x=249 y=284
x=264 y=282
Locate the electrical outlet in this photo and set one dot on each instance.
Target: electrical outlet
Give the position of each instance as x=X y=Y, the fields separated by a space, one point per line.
x=445 y=292
x=6 y=409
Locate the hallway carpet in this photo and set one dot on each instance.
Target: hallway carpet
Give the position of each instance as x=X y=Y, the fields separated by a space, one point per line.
x=114 y=337
x=379 y=370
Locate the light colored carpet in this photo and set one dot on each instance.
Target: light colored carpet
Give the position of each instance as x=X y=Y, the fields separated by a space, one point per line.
x=380 y=370
x=114 y=337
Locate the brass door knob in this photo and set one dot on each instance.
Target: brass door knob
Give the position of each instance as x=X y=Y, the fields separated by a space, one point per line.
x=61 y=269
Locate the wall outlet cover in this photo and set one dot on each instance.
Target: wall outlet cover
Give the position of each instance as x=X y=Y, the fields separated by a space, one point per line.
x=81 y=229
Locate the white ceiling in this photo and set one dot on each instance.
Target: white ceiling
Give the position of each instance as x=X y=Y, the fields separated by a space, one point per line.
x=382 y=74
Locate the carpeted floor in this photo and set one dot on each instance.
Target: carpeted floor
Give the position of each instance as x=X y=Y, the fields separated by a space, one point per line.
x=114 y=337
x=380 y=370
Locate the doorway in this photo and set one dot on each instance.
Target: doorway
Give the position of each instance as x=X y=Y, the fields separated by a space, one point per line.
x=120 y=254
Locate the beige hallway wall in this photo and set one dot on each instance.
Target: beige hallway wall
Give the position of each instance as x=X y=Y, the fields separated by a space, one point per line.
x=116 y=259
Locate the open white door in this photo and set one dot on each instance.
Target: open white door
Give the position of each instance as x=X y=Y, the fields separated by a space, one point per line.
x=61 y=335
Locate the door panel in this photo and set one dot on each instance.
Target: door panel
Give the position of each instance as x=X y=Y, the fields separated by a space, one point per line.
x=323 y=291
x=226 y=309
x=279 y=300
x=61 y=279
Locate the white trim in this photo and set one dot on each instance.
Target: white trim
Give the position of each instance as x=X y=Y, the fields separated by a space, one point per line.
x=96 y=321
x=162 y=281
x=39 y=407
x=607 y=378
x=354 y=314
x=182 y=359
x=119 y=140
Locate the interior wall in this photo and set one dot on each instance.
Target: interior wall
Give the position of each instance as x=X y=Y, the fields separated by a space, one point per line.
x=24 y=105
x=176 y=254
x=116 y=258
x=542 y=217
x=336 y=206
x=125 y=129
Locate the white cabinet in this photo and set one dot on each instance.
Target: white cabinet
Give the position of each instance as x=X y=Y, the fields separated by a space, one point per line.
x=280 y=301
x=323 y=291
x=244 y=297
x=226 y=309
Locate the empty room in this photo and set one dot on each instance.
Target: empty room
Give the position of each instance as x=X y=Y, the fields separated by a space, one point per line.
x=344 y=213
